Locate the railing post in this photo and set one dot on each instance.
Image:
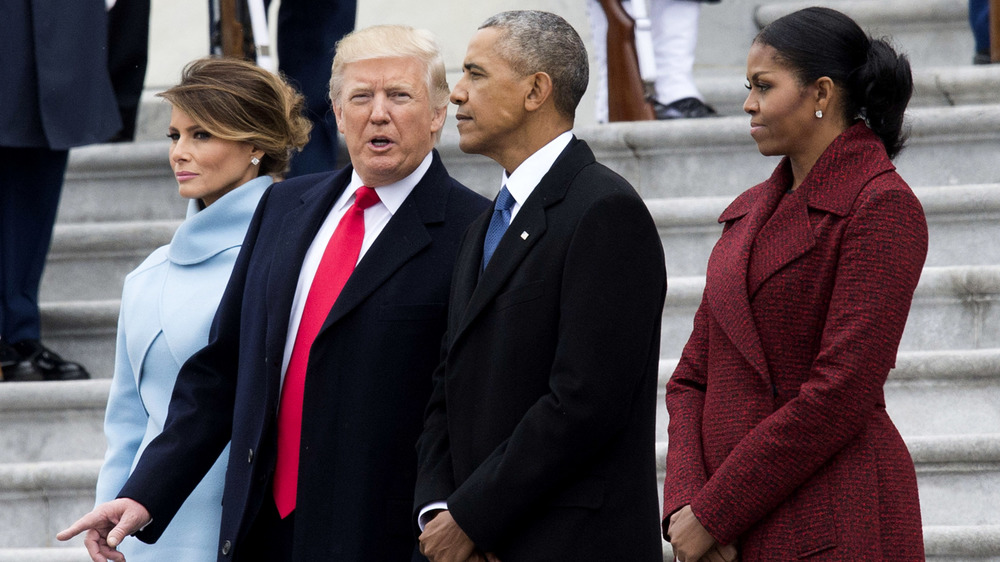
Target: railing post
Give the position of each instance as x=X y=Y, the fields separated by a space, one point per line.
x=995 y=31
x=626 y=93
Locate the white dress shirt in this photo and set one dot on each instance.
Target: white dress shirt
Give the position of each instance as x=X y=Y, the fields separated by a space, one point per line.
x=522 y=182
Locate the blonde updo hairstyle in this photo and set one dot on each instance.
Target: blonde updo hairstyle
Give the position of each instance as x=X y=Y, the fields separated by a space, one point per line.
x=237 y=100
x=392 y=41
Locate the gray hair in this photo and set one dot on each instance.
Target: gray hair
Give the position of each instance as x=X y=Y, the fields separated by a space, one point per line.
x=532 y=41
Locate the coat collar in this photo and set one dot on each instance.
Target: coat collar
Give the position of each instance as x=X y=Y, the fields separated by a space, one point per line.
x=833 y=183
x=403 y=237
x=778 y=235
x=218 y=227
x=527 y=228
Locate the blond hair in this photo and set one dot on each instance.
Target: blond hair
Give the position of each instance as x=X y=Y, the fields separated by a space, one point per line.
x=237 y=100
x=392 y=41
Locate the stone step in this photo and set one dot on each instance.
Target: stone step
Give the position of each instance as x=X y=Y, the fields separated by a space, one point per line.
x=53 y=421
x=930 y=32
x=90 y=260
x=83 y=331
x=956 y=475
x=52 y=554
x=41 y=499
x=724 y=89
x=929 y=393
x=964 y=225
x=954 y=307
x=936 y=393
x=717 y=157
x=962 y=543
x=120 y=182
x=683 y=158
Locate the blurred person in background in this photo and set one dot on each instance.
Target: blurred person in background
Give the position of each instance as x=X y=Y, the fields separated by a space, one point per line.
x=56 y=94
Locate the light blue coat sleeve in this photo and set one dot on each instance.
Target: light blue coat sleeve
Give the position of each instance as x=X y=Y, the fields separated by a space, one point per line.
x=124 y=422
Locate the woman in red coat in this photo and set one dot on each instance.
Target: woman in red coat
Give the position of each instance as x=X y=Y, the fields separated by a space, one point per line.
x=780 y=446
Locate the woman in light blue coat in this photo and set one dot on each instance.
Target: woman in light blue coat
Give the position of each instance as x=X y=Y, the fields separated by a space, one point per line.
x=232 y=126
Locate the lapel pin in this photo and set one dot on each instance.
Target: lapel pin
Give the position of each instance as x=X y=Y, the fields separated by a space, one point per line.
x=524 y=235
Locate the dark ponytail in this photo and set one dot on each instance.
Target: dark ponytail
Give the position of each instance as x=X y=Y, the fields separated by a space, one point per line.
x=876 y=81
x=880 y=90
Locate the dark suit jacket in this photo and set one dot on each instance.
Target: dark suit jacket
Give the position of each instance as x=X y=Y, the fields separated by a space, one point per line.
x=779 y=437
x=368 y=378
x=54 y=79
x=540 y=432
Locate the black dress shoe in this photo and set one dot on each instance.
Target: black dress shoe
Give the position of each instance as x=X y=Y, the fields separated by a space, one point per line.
x=49 y=364
x=687 y=108
x=15 y=367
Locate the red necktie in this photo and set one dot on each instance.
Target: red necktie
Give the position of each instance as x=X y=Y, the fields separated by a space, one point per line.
x=339 y=259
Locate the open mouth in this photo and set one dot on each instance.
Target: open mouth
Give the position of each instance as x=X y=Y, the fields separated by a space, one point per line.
x=380 y=142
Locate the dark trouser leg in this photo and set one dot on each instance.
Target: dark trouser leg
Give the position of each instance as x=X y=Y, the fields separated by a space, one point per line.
x=29 y=197
x=128 y=47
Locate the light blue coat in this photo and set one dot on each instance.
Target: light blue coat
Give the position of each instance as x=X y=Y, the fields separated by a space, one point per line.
x=167 y=307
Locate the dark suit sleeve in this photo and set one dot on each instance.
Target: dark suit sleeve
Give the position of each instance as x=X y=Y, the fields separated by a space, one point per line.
x=881 y=257
x=610 y=305
x=199 y=419
x=435 y=476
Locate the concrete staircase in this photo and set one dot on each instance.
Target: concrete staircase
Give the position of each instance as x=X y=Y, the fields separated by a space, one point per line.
x=120 y=202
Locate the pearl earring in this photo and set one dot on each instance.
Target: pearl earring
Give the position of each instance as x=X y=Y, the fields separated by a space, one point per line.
x=255 y=160
x=819 y=114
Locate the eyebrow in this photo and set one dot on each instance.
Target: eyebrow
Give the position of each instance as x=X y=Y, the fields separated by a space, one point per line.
x=473 y=66
x=191 y=128
x=757 y=75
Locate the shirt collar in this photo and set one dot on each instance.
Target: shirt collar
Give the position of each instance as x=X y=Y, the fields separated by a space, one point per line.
x=391 y=195
x=524 y=179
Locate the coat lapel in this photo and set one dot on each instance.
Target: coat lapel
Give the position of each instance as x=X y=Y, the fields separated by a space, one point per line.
x=527 y=228
x=298 y=229
x=785 y=236
x=467 y=268
x=726 y=276
x=780 y=234
x=832 y=185
x=402 y=238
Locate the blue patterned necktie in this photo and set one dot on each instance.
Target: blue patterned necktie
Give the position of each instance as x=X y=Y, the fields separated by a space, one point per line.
x=498 y=224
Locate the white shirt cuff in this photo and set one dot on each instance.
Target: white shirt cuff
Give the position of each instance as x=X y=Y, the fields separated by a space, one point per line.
x=427 y=513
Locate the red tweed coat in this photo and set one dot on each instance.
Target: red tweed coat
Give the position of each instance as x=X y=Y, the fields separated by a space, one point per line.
x=778 y=437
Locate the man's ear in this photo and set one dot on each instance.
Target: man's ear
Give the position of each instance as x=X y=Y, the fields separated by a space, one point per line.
x=540 y=90
x=337 y=113
x=438 y=116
